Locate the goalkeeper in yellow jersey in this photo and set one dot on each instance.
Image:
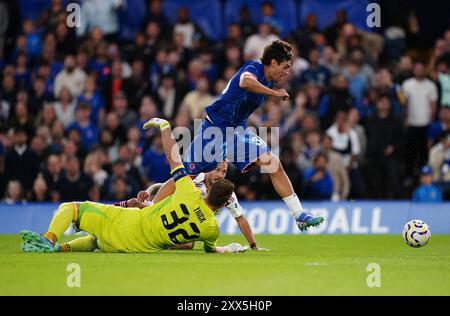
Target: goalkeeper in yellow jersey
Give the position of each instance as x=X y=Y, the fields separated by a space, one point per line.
x=180 y=218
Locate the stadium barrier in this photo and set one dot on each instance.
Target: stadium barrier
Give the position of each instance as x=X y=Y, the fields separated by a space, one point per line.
x=273 y=217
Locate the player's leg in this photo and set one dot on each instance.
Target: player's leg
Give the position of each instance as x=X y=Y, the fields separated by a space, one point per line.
x=83 y=244
x=251 y=151
x=206 y=151
x=271 y=164
x=66 y=215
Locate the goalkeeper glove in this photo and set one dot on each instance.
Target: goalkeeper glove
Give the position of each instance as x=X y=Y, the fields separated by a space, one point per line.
x=157 y=122
x=235 y=248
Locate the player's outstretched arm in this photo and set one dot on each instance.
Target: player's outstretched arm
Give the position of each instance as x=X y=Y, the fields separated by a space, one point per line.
x=233 y=248
x=171 y=148
x=249 y=82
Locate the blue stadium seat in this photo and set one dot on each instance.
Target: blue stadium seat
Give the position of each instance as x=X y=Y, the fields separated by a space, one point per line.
x=326 y=11
x=284 y=10
x=131 y=18
x=205 y=13
x=32 y=9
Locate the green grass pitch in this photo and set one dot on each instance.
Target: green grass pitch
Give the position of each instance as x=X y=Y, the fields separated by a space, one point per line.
x=296 y=265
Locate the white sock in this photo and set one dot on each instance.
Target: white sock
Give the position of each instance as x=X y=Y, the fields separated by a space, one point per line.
x=294 y=205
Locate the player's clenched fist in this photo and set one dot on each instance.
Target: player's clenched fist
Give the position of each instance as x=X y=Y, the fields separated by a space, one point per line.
x=157 y=122
x=282 y=94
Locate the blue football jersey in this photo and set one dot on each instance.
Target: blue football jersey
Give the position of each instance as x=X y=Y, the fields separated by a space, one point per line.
x=235 y=105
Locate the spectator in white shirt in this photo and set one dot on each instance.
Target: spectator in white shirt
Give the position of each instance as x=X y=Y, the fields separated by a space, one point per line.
x=71 y=77
x=346 y=142
x=421 y=94
x=255 y=44
x=65 y=108
x=100 y=13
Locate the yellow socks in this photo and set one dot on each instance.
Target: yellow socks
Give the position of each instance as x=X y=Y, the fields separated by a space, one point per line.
x=66 y=214
x=82 y=244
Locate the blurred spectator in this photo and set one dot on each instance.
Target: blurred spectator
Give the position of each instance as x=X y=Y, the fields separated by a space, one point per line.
x=34 y=41
x=384 y=133
x=137 y=86
x=21 y=163
x=318 y=182
x=169 y=96
x=94 y=99
x=75 y=185
x=185 y=26
x=120 y=191
x=53 y=172
x=443 y=69
x=88 y=130
x=354 y=123
x=65 y=40
x=357 y=86
x=338 y=99
x=333 y=30
x=404 y=70
x=421 y=95
x=439 y=127
x=255 y=44
x=303 y=37
x=311 y=150
x=119 y=171
x=154 y=163
x=346 y=142
x=196 y=101
x=330 y=60
x=72 y=78
x=50 y=18
x=40 y=192
x=439 y=160
x=427 y=192
x=245 y=22
x=341 y=181
x=65 y=108
x=155 y=14
x=93 y=168
x=22 y=120
x=102 y=14
x=9 y=91
x=14 y=194
x=120 y=106
x=113 y=85
x=269 y=16
x=316 y=73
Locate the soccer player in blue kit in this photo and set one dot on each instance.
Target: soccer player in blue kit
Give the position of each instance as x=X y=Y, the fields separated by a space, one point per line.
x=245 y=92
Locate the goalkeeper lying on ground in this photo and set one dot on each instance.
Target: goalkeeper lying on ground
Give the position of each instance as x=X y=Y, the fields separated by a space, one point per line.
x=180 y=218
x=203 y=181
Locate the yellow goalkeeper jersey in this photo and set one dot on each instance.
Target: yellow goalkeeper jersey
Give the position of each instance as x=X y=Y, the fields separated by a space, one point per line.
x=180 y=218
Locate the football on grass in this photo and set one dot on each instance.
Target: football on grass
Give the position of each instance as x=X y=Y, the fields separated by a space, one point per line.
x=416 y=233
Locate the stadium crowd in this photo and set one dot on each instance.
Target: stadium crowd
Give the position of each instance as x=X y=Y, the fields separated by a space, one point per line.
x=367 y=110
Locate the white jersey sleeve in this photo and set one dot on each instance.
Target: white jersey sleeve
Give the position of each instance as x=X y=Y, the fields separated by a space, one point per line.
x=199 y=182
x=234 y=207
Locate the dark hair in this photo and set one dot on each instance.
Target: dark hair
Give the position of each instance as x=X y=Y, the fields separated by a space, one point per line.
x=219 y=193
x=279 y=50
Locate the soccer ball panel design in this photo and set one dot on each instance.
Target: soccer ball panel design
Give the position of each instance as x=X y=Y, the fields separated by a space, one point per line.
x=416 y=233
